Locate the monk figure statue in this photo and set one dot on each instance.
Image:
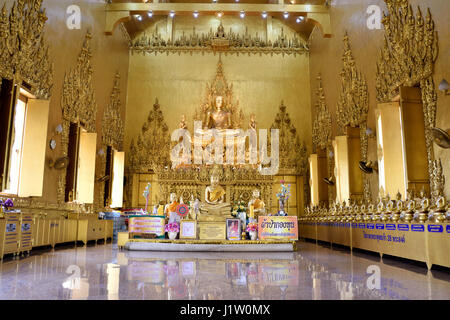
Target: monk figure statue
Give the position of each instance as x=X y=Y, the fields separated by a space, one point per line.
x=214 y=208
x=258 y=206
x=170 y=209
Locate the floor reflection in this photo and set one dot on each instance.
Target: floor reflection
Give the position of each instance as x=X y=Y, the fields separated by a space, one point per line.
x=314 y=272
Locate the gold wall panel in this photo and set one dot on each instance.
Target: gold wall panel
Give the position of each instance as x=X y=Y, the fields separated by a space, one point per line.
x=325 y=58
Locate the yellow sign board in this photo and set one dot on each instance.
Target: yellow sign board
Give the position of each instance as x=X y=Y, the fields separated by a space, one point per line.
x=147 y=224
x=278 y=228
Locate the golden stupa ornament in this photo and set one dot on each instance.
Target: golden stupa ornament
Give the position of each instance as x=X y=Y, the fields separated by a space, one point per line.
x=24 y=54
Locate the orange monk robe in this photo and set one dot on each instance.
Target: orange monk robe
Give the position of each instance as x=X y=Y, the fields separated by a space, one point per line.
x=171 y=207
x=216 y=194
x=258 y=204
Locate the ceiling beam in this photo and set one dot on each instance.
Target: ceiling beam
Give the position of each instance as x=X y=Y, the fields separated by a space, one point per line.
x=120 y=12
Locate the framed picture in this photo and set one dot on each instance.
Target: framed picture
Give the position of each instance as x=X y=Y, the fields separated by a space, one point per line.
x=233 y=229
x=188 y=229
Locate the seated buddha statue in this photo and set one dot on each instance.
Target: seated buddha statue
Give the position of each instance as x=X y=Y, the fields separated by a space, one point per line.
x=170 y=209
x=219 y=119
x=259 y=207
x=214 y=208
x=438 y=211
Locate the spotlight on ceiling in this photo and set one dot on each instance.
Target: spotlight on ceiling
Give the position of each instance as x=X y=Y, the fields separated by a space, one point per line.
x=300 y=19
x=150 y=14
x=195 y=14
x=441 y=137
x=219 y=14
x=264 y=15
x=139 y=17
x=286 y=15
x=172 y=14
x=368 y=167
x=242 y=14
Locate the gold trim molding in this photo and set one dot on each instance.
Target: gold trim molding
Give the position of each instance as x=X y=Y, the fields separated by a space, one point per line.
x=24 y=53
x=229 y=43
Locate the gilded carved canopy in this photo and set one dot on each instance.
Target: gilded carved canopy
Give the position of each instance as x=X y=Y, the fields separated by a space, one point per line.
x=24 y=53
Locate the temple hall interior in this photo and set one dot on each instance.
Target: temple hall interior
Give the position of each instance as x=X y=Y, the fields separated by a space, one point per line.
x=224 y=150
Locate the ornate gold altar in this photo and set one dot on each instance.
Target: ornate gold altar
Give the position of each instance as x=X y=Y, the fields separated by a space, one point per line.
x=149 y=162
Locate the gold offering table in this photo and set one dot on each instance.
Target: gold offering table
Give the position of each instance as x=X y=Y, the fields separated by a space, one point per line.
x=427 y=242
x=211 y=245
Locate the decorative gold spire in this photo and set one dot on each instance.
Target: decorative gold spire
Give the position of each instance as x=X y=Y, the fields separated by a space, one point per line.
x=112 y=124
x=321 y=134
x=353 y=103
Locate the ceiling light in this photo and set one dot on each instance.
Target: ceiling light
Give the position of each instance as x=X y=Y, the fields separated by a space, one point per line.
x=219 y=14
x=195 y=14
x=286 y=15
x=264 y=15
x=172 y=14
x=242 y=14
x=300 y=19
x=150 y=14
x=139 y=17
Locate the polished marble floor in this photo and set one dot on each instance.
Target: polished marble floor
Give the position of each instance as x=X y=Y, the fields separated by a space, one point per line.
x=314 y=272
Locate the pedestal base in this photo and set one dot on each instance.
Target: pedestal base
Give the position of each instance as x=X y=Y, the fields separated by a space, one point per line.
x=215 y=246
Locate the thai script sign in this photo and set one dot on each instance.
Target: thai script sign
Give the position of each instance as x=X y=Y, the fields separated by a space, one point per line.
x=278 y=228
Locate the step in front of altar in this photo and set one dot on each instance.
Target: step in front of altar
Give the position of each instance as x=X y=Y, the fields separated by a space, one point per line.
x=210 y=245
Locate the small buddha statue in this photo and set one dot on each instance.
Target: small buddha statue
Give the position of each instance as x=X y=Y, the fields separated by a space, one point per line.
x=395 y=216
x=389 y=210
x=219 y=119
x=256 y=205
x=362 y=212
x=422 y=213
x=252 y=124
x=183 y=124
x=356 y=216
x=370 y=211
x=438 y=212
x=170 y=209
x=380 y=210
x=215 y=208
x=407 y=215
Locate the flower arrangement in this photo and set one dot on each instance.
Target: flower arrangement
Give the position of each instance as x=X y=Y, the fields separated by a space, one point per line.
x=172 y=227
x=238 y=207
x=283 y=196
x=7 y=204
x=252 y=227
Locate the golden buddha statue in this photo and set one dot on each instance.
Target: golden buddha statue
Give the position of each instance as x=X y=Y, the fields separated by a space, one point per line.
x=370 y=211
x=256 y=206
x=170 y=209
x=422 y=213
x=219 y=119
x=214 y=208
x=438 y=212
x=380 y=210
x=395 y=216
x=389 y=210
